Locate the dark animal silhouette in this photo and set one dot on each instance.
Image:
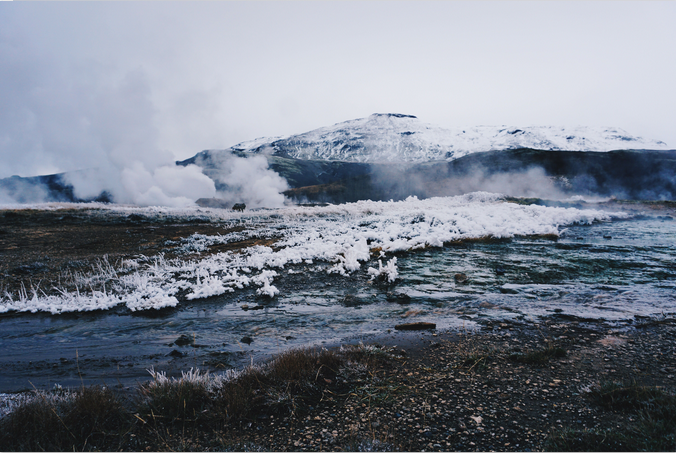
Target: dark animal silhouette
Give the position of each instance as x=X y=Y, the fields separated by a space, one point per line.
x=239 y=207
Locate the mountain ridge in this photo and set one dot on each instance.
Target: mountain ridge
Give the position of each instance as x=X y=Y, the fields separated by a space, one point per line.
x=395 y=137
x=395 y=155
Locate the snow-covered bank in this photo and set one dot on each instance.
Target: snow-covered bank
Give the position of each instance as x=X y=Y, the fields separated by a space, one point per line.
x=343 y=235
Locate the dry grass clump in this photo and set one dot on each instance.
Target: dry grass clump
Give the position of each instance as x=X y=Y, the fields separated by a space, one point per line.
x=93 y=419
x=288 y=383
x=538 y=356
x=33 y=426
x=627 y=396
x=473 y=353
x=183 y=412
x=367 y=355
x=276 y=386
x=653 y=410
x=176 y=399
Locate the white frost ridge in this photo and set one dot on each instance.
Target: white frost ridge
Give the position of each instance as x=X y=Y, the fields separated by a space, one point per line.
x=344 y=235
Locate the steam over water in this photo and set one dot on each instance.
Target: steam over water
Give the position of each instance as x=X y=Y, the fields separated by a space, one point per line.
x=324 y=275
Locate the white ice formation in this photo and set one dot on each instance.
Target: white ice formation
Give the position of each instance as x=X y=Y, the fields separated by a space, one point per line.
x=345 y=236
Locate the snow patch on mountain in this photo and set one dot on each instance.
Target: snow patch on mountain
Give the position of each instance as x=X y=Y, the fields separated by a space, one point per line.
x=393 y=137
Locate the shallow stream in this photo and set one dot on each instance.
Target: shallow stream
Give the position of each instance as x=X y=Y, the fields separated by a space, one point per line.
x=618 y=271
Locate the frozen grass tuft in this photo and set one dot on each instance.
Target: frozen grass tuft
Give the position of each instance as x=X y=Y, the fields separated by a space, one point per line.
x=92 y=418
x=387 y=273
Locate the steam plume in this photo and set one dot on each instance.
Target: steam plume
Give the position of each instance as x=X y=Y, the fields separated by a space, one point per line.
x=244 y=179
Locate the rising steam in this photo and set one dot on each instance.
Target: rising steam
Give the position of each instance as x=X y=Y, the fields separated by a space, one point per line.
x=101 y=128
x=244 y=179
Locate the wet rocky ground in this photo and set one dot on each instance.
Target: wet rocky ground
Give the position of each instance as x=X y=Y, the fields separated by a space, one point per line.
x=476 y=391
x=455 y=390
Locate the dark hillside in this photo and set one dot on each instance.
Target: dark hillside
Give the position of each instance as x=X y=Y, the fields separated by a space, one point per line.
x=633 y=174
x=638 y=175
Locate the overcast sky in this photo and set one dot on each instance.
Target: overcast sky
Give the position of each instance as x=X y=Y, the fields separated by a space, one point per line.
x=167 y=80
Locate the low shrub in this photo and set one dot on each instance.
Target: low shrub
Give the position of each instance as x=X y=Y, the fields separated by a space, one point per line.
x=538 y=356
x=91 y=419
x=176 y=400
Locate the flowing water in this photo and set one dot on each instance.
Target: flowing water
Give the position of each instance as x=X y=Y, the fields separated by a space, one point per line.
x=618 y=271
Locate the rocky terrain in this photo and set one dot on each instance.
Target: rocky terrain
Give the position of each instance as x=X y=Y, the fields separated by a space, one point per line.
x=556 y=384
x=482 y=391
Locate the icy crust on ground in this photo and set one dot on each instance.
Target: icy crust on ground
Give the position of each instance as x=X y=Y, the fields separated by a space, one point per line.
x=343 y=235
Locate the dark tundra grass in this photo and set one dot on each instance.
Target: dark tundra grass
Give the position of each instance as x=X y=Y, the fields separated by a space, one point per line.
x=95 y=419
x=652 y=408
x=539 y=356
x=442 y=391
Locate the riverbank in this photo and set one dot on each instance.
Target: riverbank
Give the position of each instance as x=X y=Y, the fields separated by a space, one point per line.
x=559 y=384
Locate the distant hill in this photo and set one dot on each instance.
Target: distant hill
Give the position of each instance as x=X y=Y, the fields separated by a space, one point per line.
x=637 y=175
x=393 y=137
x=392 y=156
x=43 y=188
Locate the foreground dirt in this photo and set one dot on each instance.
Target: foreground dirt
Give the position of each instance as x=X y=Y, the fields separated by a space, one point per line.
x=465 y=391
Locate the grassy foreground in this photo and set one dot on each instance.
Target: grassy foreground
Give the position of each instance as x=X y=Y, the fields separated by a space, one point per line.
x=194 y=412
x=469 y=392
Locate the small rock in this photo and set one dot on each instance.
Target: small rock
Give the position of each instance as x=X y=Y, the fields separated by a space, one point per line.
x=184 y=340
x=176 y=353
x=487 y=305
x=416 y=326
x=400 y=298
x=461 y=278
x=350 y=300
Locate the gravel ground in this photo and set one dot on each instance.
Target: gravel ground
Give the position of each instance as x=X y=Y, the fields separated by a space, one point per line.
x=463 y=392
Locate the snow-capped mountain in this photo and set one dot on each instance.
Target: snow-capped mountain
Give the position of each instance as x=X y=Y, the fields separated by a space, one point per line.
x=393 y=137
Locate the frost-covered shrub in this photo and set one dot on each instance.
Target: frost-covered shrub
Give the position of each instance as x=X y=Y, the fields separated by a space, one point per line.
x=387 y=273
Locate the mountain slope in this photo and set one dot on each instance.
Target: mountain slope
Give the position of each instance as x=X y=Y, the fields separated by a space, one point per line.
x=393 y=156
x=636 y=175
x=395 y=137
